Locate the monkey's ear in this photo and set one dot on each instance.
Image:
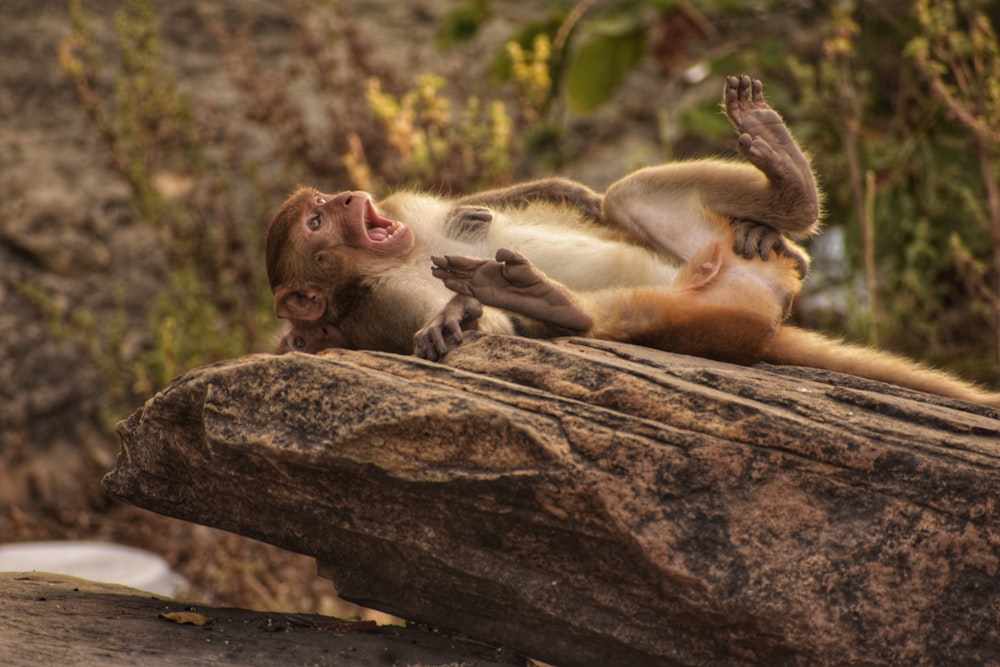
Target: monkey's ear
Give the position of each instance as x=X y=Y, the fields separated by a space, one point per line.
x=293 y=304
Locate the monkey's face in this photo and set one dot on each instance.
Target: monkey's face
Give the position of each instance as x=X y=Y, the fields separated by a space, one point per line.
x=318 y=246
x=311 y=338
x=351 y=219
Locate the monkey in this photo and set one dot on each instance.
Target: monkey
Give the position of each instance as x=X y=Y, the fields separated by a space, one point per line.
x=695 y=257
x=349 y=260
x=368 y=287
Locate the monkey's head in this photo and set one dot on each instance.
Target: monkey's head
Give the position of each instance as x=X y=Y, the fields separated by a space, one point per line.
x=317 y=243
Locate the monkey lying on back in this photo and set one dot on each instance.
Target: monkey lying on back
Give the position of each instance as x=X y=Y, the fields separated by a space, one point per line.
x=328 y=254
x=688 y=257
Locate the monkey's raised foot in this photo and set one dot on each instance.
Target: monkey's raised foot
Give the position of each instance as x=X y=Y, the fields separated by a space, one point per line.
x=766 y=142
x=764 y=139
x=512 y=283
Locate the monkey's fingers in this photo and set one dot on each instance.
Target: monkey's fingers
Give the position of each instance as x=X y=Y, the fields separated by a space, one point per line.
x=752 y=239
x=429 y=345
x=431 y=342
x=517 y=270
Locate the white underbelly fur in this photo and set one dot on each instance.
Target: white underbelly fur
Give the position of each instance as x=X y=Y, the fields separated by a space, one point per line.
x=580 y=261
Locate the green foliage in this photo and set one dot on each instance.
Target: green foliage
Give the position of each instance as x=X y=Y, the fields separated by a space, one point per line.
x=957 y=51
x=462 y=23
x=931 y=253
x=184 y=194
x=145 y=120
x=613 y=40
x=187 y=333
x=602 y=62
x=432 y=146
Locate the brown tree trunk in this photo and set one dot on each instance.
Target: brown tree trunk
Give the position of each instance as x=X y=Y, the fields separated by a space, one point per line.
x=593 y=504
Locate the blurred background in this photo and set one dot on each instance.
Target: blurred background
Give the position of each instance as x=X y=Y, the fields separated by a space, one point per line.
x=144 y=145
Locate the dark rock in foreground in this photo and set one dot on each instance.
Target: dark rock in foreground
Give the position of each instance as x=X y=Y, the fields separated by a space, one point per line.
x=587 y=503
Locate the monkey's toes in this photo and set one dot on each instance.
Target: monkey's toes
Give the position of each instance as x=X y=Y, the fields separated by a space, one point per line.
x=761 y=154
x=742 y=95
x=508 y=256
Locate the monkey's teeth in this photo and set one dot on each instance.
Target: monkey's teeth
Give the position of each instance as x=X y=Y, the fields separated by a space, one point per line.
x=378 y=228
x=383 y=233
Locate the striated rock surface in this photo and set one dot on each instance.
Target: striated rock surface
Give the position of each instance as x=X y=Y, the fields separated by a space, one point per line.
x=587 y=503
x=53 y=619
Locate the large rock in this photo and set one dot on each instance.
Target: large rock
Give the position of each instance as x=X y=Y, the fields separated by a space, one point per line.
x=52 y=619
x=588 y=503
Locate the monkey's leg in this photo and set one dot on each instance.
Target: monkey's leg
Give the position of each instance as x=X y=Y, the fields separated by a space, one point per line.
x=768 y=145
x=515 y=284
x=683 y=322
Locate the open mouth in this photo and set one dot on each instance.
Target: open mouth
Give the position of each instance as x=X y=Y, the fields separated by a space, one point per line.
x=378 y=228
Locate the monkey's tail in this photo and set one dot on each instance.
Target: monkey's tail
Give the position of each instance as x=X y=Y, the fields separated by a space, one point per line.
x=798 y=347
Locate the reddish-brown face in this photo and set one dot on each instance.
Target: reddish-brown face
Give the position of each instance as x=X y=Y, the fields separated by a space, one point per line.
x=351 y=219
x=316 y=241
x=311 y=338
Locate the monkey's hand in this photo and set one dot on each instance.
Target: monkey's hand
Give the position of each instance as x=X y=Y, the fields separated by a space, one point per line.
x=754 y=239
x=515 y=284
x=468 y=222
x=444 y=331
x=768 y=145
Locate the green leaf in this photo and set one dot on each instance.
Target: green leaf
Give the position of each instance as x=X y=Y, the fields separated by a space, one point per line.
x=462 y=24
x=600 y=66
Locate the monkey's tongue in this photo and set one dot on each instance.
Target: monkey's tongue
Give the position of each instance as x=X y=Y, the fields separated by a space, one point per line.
x=379 y=233
x=378 y=228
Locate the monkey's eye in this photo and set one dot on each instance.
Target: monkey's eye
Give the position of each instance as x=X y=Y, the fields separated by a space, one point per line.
x=319 y=199
x=314 y=222
x=298 y=342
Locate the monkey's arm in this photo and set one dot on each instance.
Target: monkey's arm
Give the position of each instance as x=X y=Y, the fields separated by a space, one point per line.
x=560 y=192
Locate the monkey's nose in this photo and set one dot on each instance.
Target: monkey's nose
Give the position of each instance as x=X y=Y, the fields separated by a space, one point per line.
x=344 y=198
